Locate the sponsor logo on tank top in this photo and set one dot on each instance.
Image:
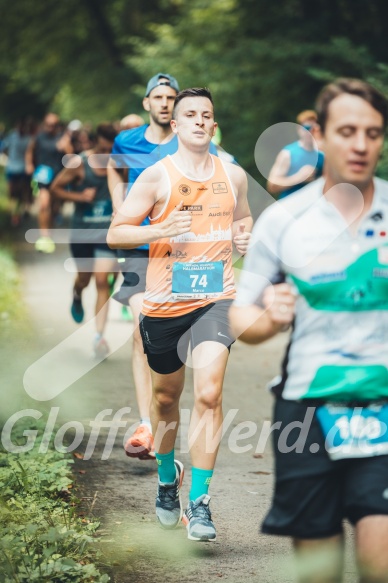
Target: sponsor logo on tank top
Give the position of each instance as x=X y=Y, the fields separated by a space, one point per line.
x=220 y=214
x=219 y=188
x=194 y=208
x=214 y=234
x=178 y=254
x=184 y=189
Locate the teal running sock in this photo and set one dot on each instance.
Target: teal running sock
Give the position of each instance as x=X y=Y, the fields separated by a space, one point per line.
x=166 y=467
x=200 y=482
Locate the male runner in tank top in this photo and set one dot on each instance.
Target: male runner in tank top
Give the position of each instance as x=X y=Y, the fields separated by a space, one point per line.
x=86 y=185
x=133 y=152
x=197 y=207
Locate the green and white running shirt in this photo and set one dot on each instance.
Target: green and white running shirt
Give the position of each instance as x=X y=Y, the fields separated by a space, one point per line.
x=339 y=344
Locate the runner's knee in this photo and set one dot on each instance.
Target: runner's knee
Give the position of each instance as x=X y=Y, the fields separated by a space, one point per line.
x=82 y=281
x=166 y=399
x=44 y=200
x=102 y=282
x=208 y=397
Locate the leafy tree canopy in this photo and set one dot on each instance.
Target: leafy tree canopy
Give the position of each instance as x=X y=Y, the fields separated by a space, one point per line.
x=264 y=61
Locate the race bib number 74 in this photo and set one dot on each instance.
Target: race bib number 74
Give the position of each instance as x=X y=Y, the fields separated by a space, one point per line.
x=193 y=281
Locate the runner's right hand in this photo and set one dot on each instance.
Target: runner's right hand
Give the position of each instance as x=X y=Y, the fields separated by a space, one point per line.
x=88 y=194
x=279 y=303
x=177 y=222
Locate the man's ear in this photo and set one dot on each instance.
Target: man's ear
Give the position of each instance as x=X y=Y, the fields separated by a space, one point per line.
x=173 y=126
x=215 y=128
x=146 y=103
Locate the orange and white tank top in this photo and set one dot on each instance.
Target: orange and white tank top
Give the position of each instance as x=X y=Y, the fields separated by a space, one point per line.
x=192 y=270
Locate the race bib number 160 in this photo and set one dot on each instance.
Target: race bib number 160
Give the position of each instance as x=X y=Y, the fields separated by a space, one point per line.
x=354 y=432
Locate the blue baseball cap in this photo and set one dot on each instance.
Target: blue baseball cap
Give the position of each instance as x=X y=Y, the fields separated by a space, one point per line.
x=161 y=79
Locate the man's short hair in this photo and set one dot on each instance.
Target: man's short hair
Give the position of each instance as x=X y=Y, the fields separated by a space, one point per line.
x=106 y=131
x=191 y=92
x=307 y=114
x=352 y=87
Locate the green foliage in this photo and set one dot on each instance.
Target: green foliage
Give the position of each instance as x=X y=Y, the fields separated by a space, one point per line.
x=14 y=320
x=42 y=538
x=263 y=61
x=5 y=207
x=90 y=58
x=70 y=56
x=13 y=316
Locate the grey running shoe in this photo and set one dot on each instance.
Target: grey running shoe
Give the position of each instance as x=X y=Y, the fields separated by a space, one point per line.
x=168 y=501
x=198 y=520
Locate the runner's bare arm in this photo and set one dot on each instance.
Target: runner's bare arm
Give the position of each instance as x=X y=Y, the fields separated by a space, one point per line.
x=254 y=324
x=29 y=157
x=116 y=184
x=278 y=179
x=69 y=176
x=242 y=219
x=147 y=193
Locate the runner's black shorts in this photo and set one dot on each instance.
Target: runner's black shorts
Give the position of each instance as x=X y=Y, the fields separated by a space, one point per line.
x=44 y=186
x=313 y=494
x=133 y=264
x=85 y=253
x=166 y=340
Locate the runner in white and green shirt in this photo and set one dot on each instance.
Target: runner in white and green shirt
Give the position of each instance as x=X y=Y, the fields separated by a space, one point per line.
x=318 y=262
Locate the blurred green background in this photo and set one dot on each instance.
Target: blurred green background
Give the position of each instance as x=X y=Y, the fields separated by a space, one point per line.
x=263 y=60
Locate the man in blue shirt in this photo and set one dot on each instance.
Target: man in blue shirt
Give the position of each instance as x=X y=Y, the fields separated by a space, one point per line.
x=297 y=163
x=133 y=151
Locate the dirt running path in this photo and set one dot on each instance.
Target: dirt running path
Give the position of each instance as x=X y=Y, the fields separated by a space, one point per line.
x=121 y=491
